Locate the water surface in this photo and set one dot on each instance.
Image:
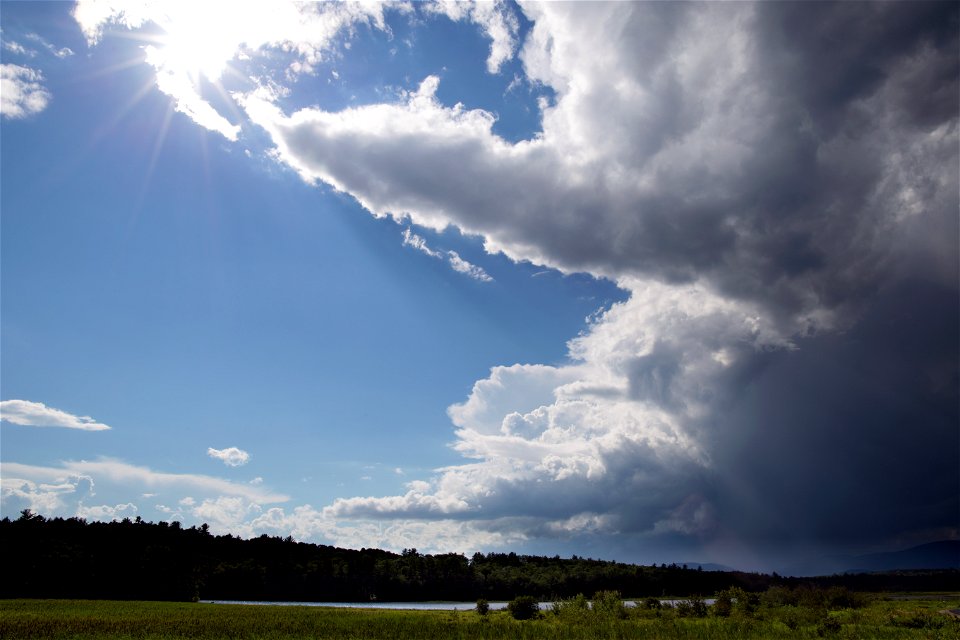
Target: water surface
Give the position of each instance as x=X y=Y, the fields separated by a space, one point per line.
x=410 y=606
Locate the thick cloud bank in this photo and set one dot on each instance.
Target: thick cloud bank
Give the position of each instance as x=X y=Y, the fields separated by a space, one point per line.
x=777 y=187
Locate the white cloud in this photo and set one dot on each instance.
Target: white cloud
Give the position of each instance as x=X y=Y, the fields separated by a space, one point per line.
x=226 y=514
x=59 y=52
x=460 y=265
x=107 y=513
x=231 y=456
x=22 y=93
x=42 y=492
x=700 y=155
x=202 y=39
x=177 y=84
x=436 y=536
x=18 y=49
x=37 y=414
x=411 y=239
x=142 y=479
x=495 y=19
x=452 y=258
x=613 y=442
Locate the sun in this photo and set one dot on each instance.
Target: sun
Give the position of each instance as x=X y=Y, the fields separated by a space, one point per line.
x=187 y=47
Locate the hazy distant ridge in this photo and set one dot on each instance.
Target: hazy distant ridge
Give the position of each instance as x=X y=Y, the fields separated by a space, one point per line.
x=944 y=554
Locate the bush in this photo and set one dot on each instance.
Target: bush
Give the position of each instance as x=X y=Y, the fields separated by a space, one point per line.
x=741 y=602
x=828 y=626
x=651 y=603
x=609 y=604
x=843 y=598
x=523 y=607
x=723 y=605
x=576 y=608
x=483 y=607
x=693 y=607
x=916 y=620
x=778 y=596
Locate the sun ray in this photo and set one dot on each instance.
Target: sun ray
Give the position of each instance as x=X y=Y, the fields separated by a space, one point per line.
x=158 y=144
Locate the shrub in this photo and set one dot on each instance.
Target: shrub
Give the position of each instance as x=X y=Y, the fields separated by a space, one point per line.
x=741 y=602
x=693 y=607
x=483 y=607
x=723 y=606
x=576 y=608
x=523 y=607
x=843 y=598
x=916 y=620
x=828 y=626
x=651 y=603
x=609 y=604
x=778 y=596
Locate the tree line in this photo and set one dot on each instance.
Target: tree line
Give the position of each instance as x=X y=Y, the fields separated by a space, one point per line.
x=140 y=560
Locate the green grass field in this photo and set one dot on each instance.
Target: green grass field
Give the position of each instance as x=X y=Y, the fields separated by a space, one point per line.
x=881 y=619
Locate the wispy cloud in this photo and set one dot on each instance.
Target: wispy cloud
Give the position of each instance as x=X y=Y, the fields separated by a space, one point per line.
x=460 y=265
x=411 y=239
x=141 y=479
x=452 y=258
x=18 y=49
x=231 y=456
x=495 y=19
x=22 y=93
x=59 y=52
x=37 y=414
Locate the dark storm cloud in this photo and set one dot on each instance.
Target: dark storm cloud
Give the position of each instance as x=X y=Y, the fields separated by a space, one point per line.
x=777 y=186
x=854 y=435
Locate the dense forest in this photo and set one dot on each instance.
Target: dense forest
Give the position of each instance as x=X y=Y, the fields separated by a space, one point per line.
x=139 y=560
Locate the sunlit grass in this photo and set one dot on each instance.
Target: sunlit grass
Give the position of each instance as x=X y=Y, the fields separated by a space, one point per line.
x=69 y=619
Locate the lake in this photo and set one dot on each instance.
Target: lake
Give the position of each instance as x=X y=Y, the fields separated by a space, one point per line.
x=412 y=606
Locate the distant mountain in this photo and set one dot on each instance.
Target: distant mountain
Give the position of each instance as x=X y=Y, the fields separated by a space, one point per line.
x=935 y=555
x=944 y=554
x=706 y=566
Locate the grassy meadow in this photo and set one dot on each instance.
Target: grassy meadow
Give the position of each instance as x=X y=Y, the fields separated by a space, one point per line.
x=879 y=618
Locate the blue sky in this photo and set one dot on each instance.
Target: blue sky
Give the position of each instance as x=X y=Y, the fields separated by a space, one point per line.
x=566 y=278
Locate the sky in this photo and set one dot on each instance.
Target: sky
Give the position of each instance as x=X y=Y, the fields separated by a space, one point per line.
x=636 y=281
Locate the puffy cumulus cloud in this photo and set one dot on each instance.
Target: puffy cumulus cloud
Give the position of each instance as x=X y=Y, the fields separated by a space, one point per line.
x=612 y=441
x=22 y=92
x=776 y=186
x=231 y=456
x=429 y=536
x=686 y=418
x=37 y=414
x=106 y=513
x=676 y=150
x=40 y=489
x=226 y=514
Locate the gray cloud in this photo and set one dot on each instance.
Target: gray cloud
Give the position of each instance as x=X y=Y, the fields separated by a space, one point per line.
x=799 y=164
x=776 y=185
